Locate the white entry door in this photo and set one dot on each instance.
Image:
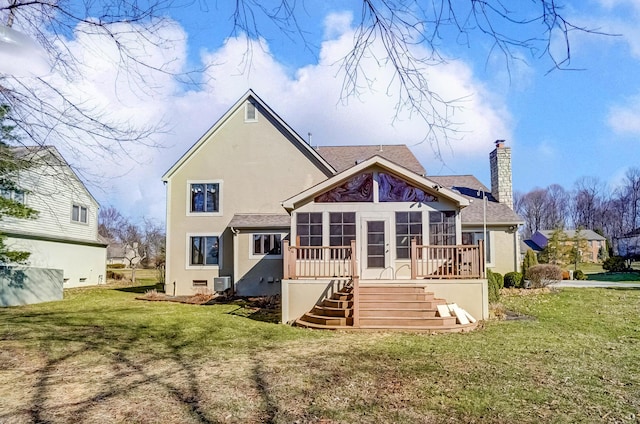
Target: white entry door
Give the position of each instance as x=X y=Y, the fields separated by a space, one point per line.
x=374 y=249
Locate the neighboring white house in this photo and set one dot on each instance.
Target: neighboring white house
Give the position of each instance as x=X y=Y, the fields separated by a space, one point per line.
x=65 y=233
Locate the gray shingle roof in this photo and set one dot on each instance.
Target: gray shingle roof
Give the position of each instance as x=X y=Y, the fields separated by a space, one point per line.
x=474 y=190
x=344 y=157
x=260 y=220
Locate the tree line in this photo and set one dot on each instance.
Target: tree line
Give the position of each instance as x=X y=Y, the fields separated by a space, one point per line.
x=590 y=204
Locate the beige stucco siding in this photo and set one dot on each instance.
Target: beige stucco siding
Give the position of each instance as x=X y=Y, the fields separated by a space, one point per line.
x=259 y=275
x=505 y=250
x=257 y=167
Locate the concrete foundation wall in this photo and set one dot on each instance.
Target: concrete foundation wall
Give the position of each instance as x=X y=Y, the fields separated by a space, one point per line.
x=300 y=296
x=21 y=285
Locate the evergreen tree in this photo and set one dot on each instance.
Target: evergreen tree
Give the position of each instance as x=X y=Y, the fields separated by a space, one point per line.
x=558 y=250
x=530 y=259
x=11 y=196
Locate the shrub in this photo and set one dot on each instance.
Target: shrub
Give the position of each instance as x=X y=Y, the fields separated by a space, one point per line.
x=543 y=275
x=493 y=286
x=513 y=279
x=114 y=276
x=615 y=264
x=117 y=266
x=499 y=280
x=579 y=275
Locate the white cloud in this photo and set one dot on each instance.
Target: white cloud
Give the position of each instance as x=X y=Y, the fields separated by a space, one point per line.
x=309 y=99
x=625 y=119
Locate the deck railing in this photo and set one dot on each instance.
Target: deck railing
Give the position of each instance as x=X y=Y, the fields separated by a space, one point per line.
x=319 y=261
x=447 y=262
x=427 y=262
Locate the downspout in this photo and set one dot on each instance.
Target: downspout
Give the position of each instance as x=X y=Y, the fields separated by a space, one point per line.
x=235 y=233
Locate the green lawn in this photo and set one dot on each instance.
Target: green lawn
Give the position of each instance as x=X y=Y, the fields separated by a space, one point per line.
x=102 y=356
x=596 y=273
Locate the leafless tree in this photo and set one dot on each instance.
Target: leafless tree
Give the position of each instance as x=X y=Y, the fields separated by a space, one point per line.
x=533 y=210
x=587 y=202
x=109 y=222
x=410 y=35
x=556 y=207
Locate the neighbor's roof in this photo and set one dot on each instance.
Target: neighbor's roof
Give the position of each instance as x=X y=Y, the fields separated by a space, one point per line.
x=588 y=234
x=260 y=220
x=344 y=157
x=529 y=244
x=48 y=156
x=471 y=188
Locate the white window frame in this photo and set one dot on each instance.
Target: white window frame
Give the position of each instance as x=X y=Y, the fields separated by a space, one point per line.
x=188 y=264
x=247 y=106
x=253 y=255
x=80 y=207
x=188 y=197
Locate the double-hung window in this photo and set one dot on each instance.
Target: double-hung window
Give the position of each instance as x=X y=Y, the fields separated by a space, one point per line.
x=204 y=197
x=342 y=228
x=408 y=226
x=15 y=195
x=442 y=228
x=267 y=245
x=473 y=237
x=204 y=250
x=309 y=228
x=79 y=214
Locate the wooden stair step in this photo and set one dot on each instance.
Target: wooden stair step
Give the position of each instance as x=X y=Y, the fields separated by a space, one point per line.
x=331 y=303
x=393 y=289
x=325 y=320
x=400 y=304
x=430 y=329
x=408 y=321
x=398 y=312
x=396 y=296
x=332 y=312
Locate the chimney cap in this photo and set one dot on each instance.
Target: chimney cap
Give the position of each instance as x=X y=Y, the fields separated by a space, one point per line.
x=499 y=143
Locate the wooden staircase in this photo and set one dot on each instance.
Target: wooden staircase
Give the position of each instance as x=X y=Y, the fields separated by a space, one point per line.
x=394 y=306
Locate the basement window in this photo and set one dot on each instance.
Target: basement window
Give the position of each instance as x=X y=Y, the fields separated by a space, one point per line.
x=200 y=283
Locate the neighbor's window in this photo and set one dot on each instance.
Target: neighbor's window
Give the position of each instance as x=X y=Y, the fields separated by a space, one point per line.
x=79 y=214
x=442 y=228
x=408 y=226
x=309 y=228
x=267 y=244
x=205 y=250
x=473 y=237
x=15 y=195
x=205 y=197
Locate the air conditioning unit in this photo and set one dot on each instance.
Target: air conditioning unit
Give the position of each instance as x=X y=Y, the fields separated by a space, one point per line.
x=221 y=284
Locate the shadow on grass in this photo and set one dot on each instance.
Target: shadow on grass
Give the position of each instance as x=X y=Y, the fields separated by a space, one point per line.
x=140 y=289
x=119 y=344
x=615 y=277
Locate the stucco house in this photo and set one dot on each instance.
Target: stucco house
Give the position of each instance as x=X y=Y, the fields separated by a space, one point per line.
x=595 y=242
x=64 y=236
x=252 y=201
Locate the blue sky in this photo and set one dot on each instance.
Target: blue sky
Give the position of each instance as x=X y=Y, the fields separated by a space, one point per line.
x=561 y=125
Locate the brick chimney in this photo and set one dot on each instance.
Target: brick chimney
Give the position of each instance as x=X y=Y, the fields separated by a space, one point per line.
x=501 y=185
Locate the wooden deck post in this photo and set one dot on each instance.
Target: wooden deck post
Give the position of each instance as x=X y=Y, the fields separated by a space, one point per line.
x=482 y=258
x=414 y=259
x=356 y=301
x=285 y=259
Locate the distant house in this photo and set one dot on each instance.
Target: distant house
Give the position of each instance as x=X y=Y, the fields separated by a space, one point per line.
x=65 y=234
x=122 y=254
x=594 y=240
x=253 y=205
x=628 y=245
